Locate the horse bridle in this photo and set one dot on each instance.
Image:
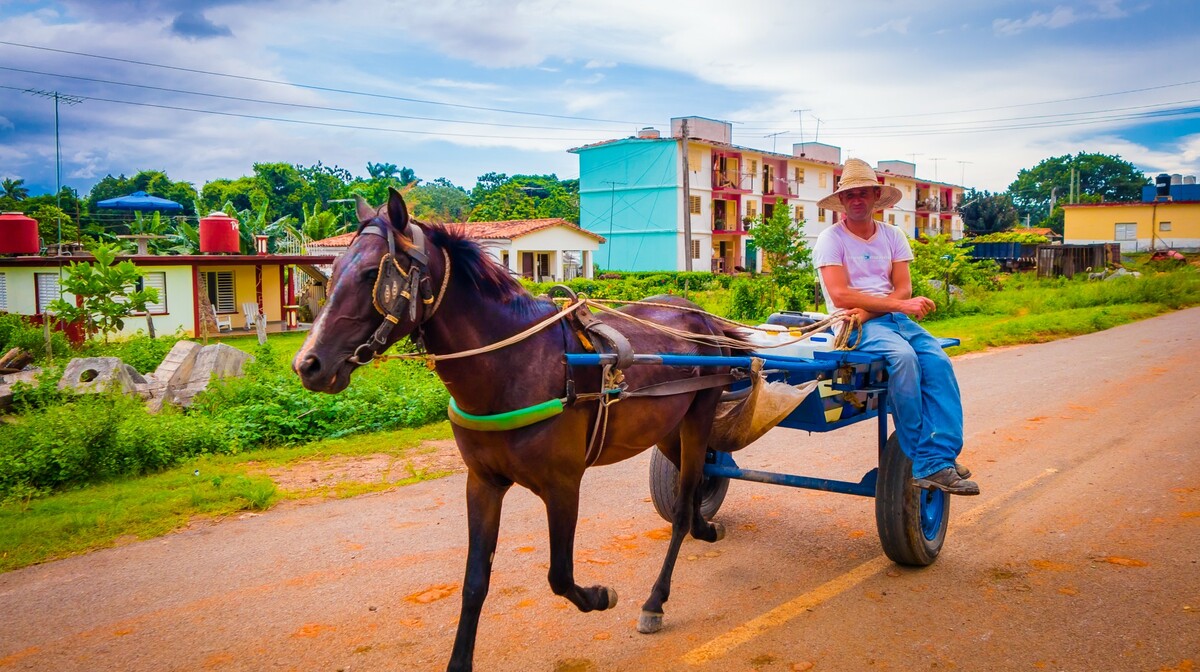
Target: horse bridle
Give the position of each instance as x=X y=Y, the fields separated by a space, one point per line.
x=397 y=289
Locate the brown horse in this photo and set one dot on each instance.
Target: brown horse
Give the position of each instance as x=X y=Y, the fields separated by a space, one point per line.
x=454 y=297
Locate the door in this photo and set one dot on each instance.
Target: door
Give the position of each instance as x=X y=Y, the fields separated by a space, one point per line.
x=527 y=265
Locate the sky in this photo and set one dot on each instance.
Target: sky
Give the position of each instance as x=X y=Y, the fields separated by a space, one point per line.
x=971 y=92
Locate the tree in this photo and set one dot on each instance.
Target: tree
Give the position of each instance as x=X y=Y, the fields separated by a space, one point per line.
x=497 y=196
x=790 y=260
x=1109 y=178
x=940 y=258
x=49 y=217
x=106 y=292
x=14 y=189
x=439 y=201
x=983 y=212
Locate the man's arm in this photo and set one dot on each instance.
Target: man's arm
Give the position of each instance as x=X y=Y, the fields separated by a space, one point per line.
x=837 y=283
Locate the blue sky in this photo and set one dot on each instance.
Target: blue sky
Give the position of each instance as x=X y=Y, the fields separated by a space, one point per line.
x=970 y=91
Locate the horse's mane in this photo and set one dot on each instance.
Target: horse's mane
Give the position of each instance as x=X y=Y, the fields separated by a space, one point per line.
x=469 y=260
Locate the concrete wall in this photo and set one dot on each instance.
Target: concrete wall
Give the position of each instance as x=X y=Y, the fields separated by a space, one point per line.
x=1098 y=224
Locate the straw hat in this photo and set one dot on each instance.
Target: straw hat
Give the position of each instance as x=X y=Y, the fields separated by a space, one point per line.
x=856 y=174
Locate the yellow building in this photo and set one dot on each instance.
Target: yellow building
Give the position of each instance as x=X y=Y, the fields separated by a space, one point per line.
x=1136 y=226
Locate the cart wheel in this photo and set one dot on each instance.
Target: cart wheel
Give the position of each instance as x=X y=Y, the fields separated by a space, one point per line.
x=664 y=486
x=911 y=520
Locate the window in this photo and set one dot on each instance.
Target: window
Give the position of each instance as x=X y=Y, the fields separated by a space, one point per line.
x=694 y=204
x=800 y=213
x=1164 y=226
x=820 y=214
x=220 y=290
x=1127 y=231
x=3 y=292
x=751 y=208
x=907 y=219
x=892 y=219
x=753 y=166
x=694 y=160
x=155 y=280
x=695 y=249
x=46 y=289
x=798 y=175
x=908 y=188
x=822 y=179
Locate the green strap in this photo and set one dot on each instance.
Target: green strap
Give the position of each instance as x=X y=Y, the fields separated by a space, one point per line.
x=502 y=422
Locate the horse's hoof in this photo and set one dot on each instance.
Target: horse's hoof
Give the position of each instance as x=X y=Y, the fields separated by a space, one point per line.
x=718 y=531
x=649 y=623
x=612 y=598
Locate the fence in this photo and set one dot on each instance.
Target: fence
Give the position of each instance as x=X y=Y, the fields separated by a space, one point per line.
x=1067 y=260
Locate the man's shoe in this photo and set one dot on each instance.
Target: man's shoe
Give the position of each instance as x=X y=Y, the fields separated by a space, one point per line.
x=947 y=480
x=962 y=470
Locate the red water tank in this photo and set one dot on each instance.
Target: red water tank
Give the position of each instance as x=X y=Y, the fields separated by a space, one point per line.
x=219 y=233
x=18 y=234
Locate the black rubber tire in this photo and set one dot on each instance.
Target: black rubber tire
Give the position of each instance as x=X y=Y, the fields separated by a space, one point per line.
x=664 y=488
x=898 y=511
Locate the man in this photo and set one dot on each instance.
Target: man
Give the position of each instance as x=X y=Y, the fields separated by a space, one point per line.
x=863 y=267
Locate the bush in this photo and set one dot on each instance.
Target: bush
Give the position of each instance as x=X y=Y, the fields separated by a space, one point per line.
x=17 y=332
x=141 y=352
x=93 y=438
x=269 y=406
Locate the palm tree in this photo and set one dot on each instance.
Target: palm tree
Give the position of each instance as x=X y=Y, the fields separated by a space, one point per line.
x=13 y=189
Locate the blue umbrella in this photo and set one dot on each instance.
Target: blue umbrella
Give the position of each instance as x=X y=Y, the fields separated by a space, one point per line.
x=140 y=200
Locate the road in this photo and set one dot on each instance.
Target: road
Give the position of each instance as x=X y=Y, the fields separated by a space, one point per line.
x=1081 y=554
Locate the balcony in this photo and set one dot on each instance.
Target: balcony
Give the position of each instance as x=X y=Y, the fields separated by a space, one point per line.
x=731 y=181
x=722 y=226
x=780 y=187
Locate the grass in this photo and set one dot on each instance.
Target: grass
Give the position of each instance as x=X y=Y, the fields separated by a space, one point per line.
x=210 y=487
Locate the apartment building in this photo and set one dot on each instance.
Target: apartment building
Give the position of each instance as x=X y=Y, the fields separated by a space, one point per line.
x=631 y=192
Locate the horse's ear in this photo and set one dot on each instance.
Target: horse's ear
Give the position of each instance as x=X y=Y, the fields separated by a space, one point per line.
x=363 y=210
x=397 y=211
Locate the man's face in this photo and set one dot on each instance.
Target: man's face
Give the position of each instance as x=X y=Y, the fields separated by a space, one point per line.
x=860 y=202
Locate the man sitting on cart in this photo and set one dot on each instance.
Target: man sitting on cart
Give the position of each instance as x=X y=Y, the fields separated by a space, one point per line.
x=864 y=267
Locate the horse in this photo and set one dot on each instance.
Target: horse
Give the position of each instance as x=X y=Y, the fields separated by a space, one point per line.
x=401 y=277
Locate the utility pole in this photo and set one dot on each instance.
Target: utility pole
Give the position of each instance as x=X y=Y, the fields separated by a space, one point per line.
x=67 y=100
x=612 y=201
x=687 y=198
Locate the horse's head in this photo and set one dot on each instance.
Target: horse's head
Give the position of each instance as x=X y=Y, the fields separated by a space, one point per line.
x=380 y=292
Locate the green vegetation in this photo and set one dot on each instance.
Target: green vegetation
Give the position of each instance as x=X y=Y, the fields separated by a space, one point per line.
x=105 y=291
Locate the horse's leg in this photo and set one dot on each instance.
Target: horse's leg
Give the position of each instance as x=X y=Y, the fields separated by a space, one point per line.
x=484 y=499
x=693 y=436
x=562 y=513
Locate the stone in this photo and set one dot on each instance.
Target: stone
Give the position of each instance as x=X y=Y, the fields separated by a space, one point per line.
x=90 y=375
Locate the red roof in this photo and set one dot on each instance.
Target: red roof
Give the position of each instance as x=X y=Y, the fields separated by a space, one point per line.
x=506 y=230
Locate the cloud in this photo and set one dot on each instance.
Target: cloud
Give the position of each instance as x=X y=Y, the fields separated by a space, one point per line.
x=594 y=63
x=195 y=25
x=1060 y=17
x=899 y=26
x=5 y=124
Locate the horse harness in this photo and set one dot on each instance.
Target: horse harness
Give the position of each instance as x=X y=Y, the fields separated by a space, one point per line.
x=397 y=289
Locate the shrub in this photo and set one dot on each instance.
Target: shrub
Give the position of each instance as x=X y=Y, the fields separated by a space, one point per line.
x=17 y=332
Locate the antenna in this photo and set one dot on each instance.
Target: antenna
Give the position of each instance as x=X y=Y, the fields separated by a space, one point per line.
x=67 y=100
x=962 y=176
x=935 y=162
x=774 y=137
x=801 y=113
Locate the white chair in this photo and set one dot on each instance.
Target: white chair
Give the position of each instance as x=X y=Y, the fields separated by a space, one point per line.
x=222 y=322
x=250 y=310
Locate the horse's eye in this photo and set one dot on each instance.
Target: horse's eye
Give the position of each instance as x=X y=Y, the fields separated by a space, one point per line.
x=371 y=275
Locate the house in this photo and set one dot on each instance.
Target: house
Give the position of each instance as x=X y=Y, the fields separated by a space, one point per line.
x=1167 y=216
x=189 y=287
x=631 y=192
x=536 y=249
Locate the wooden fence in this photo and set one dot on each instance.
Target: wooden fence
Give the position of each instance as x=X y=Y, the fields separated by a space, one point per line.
x=1054 y=260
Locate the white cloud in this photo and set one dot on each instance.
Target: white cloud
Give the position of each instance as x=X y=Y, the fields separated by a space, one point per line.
x=1060 y=17
x=594 y=63
x=899 y=26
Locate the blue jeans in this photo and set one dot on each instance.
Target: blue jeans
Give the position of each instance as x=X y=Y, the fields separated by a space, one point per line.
x=922 y=391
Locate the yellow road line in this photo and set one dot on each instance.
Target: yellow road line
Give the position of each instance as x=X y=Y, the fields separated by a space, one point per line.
x=785 y=612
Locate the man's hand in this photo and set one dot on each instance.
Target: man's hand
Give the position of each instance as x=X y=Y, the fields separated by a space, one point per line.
x=917 y=307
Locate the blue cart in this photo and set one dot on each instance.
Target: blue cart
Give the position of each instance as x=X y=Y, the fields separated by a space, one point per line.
x=852 y=388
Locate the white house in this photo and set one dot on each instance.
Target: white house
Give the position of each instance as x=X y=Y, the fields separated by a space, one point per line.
x=535 y=249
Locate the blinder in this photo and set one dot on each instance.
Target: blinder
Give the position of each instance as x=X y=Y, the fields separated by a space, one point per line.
x=396 y=289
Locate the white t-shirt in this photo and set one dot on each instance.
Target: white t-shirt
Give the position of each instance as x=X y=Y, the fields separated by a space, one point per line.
x=868 y=263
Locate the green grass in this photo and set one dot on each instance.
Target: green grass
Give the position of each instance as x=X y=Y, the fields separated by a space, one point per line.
x=74 y=522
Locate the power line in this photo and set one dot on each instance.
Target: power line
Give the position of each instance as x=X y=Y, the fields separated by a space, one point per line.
x=315 y=123
x=314 y=87
x=322 y=108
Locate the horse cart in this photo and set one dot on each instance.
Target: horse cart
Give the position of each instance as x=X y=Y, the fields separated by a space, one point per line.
x=851 y=388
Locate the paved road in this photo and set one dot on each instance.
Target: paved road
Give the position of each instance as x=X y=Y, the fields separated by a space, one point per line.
x=1081 y=554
